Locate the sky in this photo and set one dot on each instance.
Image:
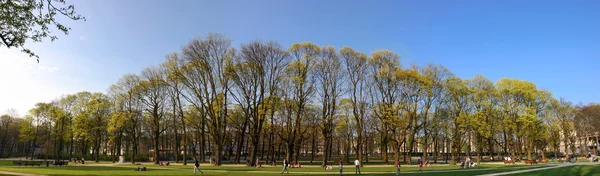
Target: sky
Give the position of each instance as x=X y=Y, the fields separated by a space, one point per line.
x=554 y=44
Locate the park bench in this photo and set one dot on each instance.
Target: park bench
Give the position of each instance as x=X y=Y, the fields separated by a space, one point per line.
x=31 y=163
x=509 y=162
x=17 y=163
x=61 y=163
x=530 y=162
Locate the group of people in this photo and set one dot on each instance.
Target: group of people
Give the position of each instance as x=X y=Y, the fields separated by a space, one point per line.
x=593 y=158
x=327 y=167
x=75 y=161
x=164 y=164
x=467 y=163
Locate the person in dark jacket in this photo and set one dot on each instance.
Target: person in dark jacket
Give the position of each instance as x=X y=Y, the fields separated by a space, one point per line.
x=196 y=165
x=285 y=165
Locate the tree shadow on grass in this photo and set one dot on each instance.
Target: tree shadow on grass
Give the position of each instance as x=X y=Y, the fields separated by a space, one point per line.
x=586 y=170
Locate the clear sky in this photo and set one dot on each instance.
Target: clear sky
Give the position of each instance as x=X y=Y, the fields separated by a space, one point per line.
x=555 y=44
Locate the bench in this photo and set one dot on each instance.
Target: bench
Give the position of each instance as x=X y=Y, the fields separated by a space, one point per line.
x=509 y=162
x=530 y=162
x=31 y=163
x=17 y=163
x=61 y=163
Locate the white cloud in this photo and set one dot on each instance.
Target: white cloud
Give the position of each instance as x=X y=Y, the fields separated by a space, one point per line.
x=82 y=38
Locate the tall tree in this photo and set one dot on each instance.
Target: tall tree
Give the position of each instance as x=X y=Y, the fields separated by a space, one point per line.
x=255 y=75
x=152 y=92
x=174 y=79
x=129 y=107
x=356 y=67
x=299 y=86
x=458 y=105
x=384 y=64
x=205 y=77
x=329 y=75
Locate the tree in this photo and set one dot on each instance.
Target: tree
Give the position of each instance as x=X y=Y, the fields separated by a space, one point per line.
x=356 y=67
x=329 y=76
x=9 y=128
x=172 y=67
x=384 y=65
x=129 y=107
x=566 y=116
x=205 y=77
x=21 y=20
x=256 y=72
x=588 y=117
x=482 y=123
x=99 y=113
x=299 y=86
x=458 y=107
x=152 y=92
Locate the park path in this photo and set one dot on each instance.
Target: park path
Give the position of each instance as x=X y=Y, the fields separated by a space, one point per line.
x=16 y=173
x=292 y=171
x=538 y=169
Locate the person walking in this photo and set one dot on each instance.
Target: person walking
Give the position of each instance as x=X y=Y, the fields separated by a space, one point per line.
x=341 y=168
x=420 y=166
x=398 y=167
x=357 y=165
x=196 y=165
x=285 y=165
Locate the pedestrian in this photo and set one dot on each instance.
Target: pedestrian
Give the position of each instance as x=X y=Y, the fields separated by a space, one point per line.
x=285 y=165
x=341 y=168
x=197 y=165
x=398 y=167
x=357 y=165
x=468 y=162
x=420 y=166
x=258 y=165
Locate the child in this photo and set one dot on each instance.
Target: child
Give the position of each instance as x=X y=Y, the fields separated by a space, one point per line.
x=420 y=166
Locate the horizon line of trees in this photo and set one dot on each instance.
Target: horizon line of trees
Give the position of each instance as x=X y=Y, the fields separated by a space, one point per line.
x=264 y=101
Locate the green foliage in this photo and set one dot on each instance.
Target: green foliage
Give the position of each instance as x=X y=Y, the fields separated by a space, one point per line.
x=22 y=20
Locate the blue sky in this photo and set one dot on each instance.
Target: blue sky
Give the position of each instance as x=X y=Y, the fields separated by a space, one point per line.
x=555 y=44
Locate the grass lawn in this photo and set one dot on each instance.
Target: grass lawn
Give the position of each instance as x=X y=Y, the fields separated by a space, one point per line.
x=128 y=169
x=576 y=170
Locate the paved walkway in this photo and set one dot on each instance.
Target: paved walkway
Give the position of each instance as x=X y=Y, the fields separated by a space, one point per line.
x=16 y=173
x=293 y=171
x=554 y=166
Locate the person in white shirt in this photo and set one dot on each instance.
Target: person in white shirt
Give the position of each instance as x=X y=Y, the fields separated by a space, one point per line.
x=285 y=165
x=357 y=165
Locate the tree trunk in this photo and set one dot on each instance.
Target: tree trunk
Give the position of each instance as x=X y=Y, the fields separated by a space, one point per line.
x=156 y=136
x=240 y=143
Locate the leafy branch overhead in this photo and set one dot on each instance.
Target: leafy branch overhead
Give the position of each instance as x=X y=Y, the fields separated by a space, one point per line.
x=21 y=20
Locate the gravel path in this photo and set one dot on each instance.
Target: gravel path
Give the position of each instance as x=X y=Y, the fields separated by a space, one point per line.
x=16 y=173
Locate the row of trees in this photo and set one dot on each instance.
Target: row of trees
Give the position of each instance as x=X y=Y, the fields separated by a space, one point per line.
x=264 y=101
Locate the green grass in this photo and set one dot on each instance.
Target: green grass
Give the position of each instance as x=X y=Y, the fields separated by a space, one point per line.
x=127 y=169
x=575 y=170
x=6 y=163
